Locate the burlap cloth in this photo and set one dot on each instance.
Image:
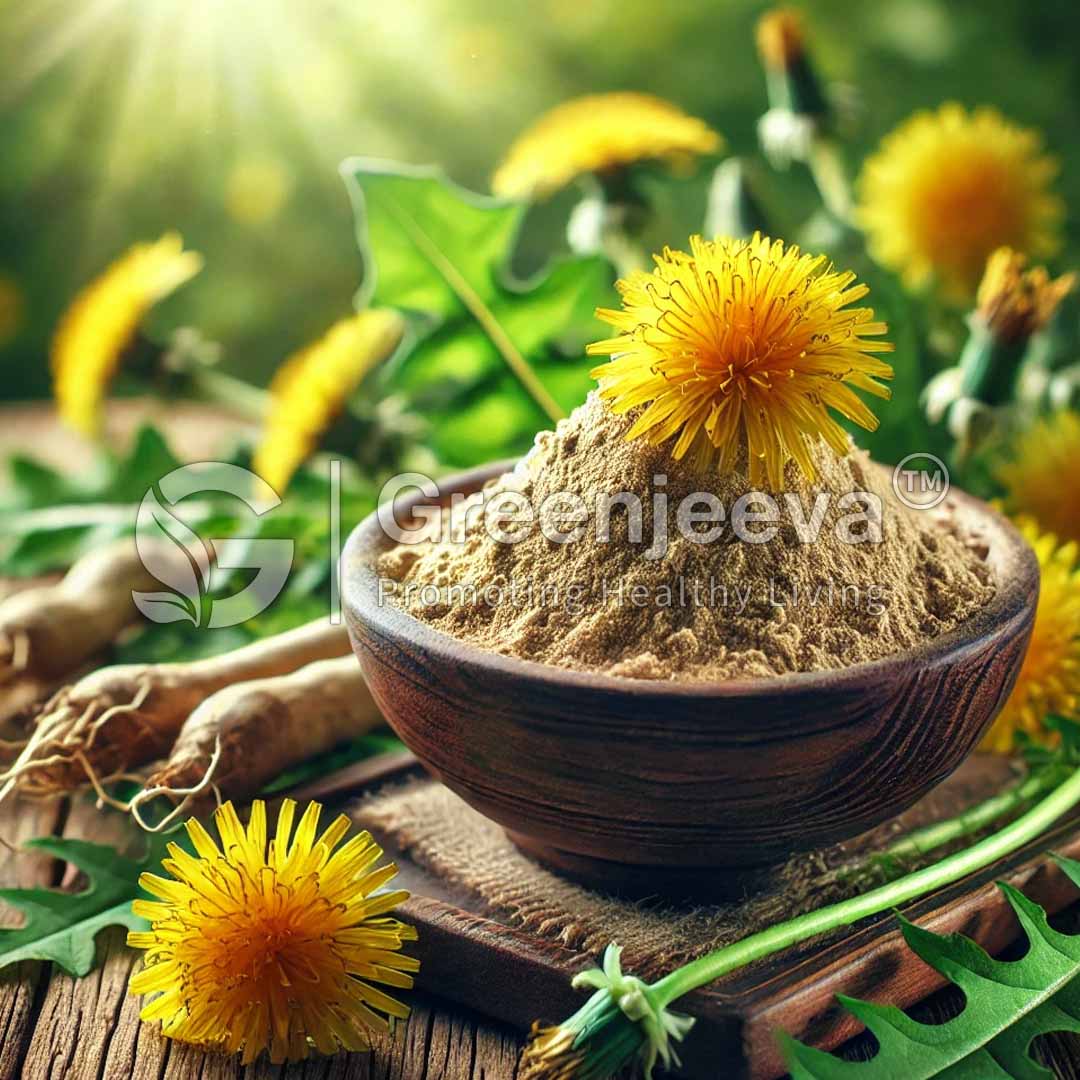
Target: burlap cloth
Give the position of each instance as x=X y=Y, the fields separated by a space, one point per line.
x=435 y=829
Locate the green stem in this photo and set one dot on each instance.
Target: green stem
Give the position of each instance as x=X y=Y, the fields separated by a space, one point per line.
x=1024 y=829
x=931 y=837
x=214 y=385
x=830 y=175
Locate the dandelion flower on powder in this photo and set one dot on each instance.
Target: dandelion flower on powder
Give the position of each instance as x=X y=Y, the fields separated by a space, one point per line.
x=312 y=388
x=1038 y=476
x=743 y=346
x=253 y=947
x=103 y=319
x=947 y=188
x=600 y=133
x=1049 y=679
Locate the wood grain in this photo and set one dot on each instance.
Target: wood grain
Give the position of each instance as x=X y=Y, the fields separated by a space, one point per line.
x=56 y=1026
x=638 y=785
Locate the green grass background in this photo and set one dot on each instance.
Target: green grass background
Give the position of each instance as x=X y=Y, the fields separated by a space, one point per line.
x=121 y=118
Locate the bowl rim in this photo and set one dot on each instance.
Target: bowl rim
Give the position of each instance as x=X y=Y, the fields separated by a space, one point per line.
x=1014 y=600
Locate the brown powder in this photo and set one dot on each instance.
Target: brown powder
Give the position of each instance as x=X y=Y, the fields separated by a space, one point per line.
x=724 y=609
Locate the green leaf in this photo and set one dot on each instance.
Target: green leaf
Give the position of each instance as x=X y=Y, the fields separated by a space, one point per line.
x=1008 y=1003
x=62 y=927
x=148 y=460
x=487 y=350
x=34 y=484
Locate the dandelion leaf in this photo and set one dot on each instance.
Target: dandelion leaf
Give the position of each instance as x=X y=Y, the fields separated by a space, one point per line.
x=61 y=926
x=490 y=359
x=1007 y=1004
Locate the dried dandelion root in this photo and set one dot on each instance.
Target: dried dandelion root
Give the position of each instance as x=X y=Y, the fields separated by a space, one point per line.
x=48 y=631
x=122 y=717
x=245 y=735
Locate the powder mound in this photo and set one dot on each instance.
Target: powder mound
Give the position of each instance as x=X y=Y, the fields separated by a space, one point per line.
x=644 y=593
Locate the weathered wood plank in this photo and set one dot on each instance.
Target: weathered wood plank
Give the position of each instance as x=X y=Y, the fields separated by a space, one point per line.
x=78 y=1018
x=22 y=820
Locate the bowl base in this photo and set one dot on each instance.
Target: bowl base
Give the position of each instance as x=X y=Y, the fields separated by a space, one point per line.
x=676 y=884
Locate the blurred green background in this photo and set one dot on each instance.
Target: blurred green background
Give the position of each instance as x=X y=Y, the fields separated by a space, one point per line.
x=227 y=119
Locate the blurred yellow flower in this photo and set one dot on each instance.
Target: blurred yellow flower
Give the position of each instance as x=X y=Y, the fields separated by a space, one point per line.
x=102 y=321
x=1016 y=303
x=11 y=308
x=256 y=189
x=947 y=188
x=1049 y=680
x=742 y=346
x=251 y=948
x=1038 y=478
x=599 y=133
x=312 y=388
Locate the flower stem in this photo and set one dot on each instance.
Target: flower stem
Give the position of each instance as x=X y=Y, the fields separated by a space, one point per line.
x=830 y=176
x=782 y=936
x=213 y=385
x=930 y=837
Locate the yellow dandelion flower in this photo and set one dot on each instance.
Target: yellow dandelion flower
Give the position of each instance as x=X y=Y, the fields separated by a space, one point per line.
x=1016 y=303
x=102 y=320
x=947 y=188
x=1036 y=478
x=1049 y=680
x=312 y=387
x=600 y=133
x=251 y=948
x=742 y=346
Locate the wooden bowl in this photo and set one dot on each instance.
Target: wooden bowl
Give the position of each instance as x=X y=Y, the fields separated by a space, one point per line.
x=688 y=788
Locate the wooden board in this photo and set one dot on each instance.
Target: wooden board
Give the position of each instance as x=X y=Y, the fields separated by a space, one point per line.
x=476 y=957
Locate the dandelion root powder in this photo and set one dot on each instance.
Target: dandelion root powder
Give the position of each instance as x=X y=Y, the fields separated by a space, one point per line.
x=614 y=568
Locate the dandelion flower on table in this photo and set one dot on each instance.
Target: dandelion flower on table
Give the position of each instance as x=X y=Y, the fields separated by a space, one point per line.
x=600 y=133
x=1049 y=679
x=102 y=321
x=742 y=347
x=948 y=187
x=1038 y=477
x=277 y=947
x=312 y=388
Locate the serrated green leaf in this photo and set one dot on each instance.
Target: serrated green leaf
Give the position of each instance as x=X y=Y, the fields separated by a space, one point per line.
x=485 y=345
x=63 y=927
x=1007 y=1004
x=145 y=463
x=34 y=484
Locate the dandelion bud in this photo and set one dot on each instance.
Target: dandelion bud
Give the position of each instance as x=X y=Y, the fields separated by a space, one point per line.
x=792 y=83
x=1012 y=306
x=798 y=110
x=1016 y=303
